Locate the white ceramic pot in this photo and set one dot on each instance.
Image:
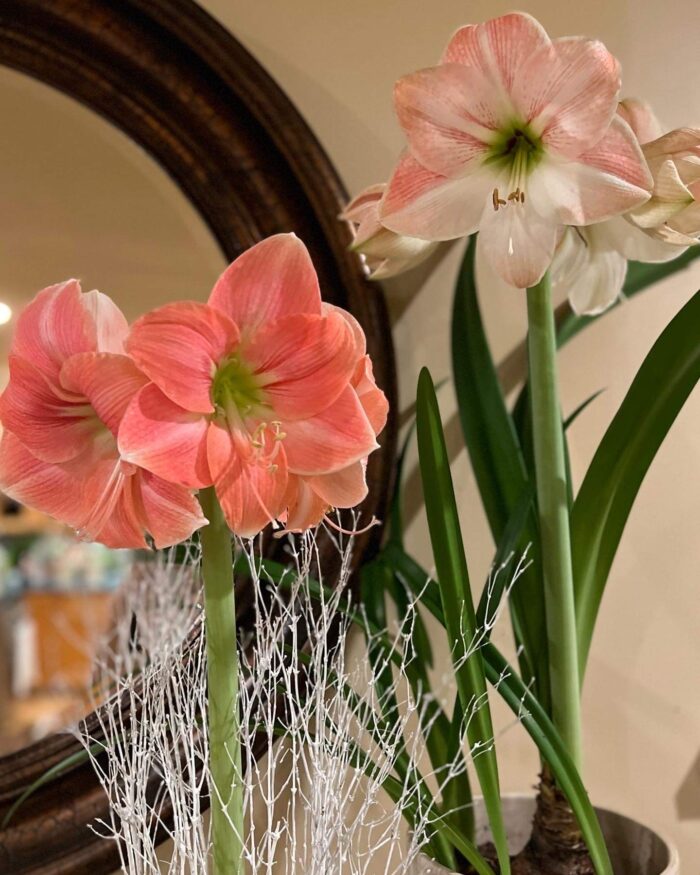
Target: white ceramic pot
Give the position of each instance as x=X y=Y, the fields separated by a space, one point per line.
x=634 y=849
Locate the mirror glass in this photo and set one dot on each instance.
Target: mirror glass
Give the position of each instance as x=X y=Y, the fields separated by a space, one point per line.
x=79 y=199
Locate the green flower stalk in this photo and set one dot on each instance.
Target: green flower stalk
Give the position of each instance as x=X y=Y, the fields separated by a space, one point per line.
x=550 y=467
x=222 y=678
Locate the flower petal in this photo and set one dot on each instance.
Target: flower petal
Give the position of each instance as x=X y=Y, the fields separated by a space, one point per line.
x=641 y=118
x=634 y=243
x=305 y=362
x=344 y=488
x=567 y=92
x=52 y=489
x=424 y=204
x=518 y=243
x=304 y=507
x=371 y=397
x=335 y=438
x=604 y=182
x=169 y=513
x=166 y=439
x=251 y=493
x=110 y=323
x=449 y=114
x=53 y=428
x=274 y=278
x=499 y=46
x=179 y=347
x=54 y=326
x=596 y=272
x=109 y=381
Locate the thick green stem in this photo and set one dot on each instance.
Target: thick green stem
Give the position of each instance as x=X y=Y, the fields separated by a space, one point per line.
x=222 y=690
x=550 y=466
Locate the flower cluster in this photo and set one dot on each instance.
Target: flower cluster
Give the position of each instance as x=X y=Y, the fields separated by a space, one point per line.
x=264 y=392
x=523 y=139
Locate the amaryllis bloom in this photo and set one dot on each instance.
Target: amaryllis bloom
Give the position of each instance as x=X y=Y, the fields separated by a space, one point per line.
x=250 y=388
x=386 y=254
x=309 y=499
x=70 y=383
x=673 y=212
x=513 y=135
x=590 y=263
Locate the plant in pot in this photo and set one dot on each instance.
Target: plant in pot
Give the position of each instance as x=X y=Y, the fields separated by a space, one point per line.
x=521 y=143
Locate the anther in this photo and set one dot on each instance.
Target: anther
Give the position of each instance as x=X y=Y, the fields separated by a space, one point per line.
x=497 y=201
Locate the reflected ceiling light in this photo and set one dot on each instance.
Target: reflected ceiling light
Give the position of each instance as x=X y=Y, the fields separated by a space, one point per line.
x=5 y=313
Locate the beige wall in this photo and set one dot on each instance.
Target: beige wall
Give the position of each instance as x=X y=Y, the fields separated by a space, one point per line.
x=338 y=61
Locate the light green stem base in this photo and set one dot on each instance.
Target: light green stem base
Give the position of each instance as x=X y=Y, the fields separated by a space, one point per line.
x=222 y=690
x=550 y=466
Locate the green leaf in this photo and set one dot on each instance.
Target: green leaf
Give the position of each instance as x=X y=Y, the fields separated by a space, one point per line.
x=658 y=392
x=456 y=794
x=497 y=459
x=49 y=775
x=375 y=579
x=458 y=608
x=535 y=721
x=541 y=729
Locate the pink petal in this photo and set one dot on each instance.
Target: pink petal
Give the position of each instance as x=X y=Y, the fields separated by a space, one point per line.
x=110 y=324
x=371 y=397
x=117 y=520
x=568 y=93
x=610 y=179
x=54 y=326
x=364 y=204
x=357 y=330
x=518 y=243
x=251 y=493
x=344 y=488
x=169 y=513
x=109 y=382
x=179 y=347
x=305 y=508
x=274 y=278
x=498 y=47
x=166 y=439
x=449 y=114
x=641 y=118
x=423 y=204
x=49 y=488
x=305 y=362
x=53 y=428
x=337 y=437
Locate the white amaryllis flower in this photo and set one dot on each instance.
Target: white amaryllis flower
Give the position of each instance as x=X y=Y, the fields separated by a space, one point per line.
x=673 y=212
x=590 y=263
x=385 y=253
x=513 y=135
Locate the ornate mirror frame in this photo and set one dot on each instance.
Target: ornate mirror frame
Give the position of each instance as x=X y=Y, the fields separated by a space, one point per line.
x=182 y=87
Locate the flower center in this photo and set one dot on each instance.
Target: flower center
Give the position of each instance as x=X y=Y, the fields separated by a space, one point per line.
x=236 y=389
x=517 y=151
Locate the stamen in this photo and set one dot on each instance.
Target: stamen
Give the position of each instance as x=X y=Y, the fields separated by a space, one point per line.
x=497 y=201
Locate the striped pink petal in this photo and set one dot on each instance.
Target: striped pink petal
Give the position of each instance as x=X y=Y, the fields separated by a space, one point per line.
x=272 y=279
x=179 y=347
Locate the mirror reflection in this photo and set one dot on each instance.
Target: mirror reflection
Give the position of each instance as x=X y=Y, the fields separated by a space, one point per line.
x=79 y=200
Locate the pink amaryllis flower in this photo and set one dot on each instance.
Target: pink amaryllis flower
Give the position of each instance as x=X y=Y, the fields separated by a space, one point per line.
x=309 y=498
x=250 y=388
x=386 y=254
x=513 y=135
x=590 y=264
x=70 y=383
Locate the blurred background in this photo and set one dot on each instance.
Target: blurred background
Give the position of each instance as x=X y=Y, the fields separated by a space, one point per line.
x=80 y=199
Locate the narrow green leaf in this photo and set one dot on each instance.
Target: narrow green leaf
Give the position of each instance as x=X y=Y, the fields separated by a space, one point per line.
x=534 y=718
x=456 y=794
x=458 y=608
x=49 y=775
x=497 y=459
x=663 y=383
x=375 y=579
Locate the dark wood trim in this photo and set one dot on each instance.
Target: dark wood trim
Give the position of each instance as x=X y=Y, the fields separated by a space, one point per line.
x=182 y=87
